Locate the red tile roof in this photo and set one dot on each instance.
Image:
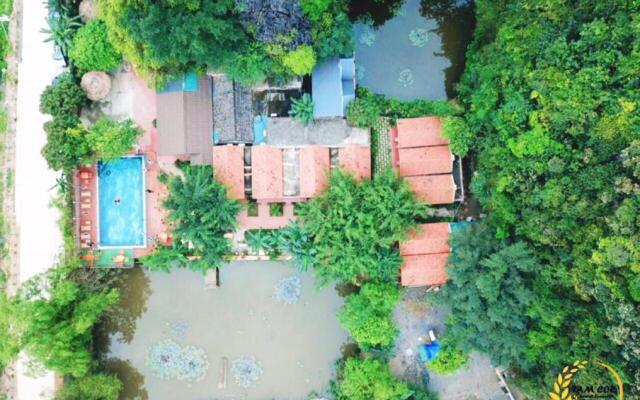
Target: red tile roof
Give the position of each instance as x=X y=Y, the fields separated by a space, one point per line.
x=424 y=270
x=433 y=189
x=356 y=160
x=228 y=168
x=425 y=161
x=314 y=170
x=427 y=239
x=266 y=168
x=417 y=132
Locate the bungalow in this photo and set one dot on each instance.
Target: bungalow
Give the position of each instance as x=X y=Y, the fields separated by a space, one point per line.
x=333 y=87
x=425 y=254
x=185 y=119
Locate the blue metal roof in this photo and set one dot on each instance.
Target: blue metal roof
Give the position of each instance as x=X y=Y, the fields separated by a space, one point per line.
x=332 y=87
x=187 y=83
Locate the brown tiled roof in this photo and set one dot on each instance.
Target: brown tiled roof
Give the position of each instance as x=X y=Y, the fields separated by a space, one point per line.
x=424 y=270
x=266 y=172
x=185 y=123
x=356 y=160
x=427 y=239
x=314 y=170
x=418 y=132
x=425 y=161
x=228 y=168
x=433 y=189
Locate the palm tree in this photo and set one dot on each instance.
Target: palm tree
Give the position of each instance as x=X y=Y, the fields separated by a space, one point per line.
x=62 y=27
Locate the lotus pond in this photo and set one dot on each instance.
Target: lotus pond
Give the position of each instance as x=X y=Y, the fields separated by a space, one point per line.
x=266 y=332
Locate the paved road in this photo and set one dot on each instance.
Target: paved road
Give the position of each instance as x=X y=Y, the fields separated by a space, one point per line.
x=40 y=238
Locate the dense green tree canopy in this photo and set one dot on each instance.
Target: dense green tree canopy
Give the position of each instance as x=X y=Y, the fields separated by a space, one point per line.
x=55 y=318
x=551 y=93
x=109 y=139
x=367 y=315
x=248 y=44
x=355 y=227
x=64 y=97
x=91 y=387
x=201 y=215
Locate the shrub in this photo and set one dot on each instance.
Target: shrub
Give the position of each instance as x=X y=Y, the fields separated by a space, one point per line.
x=67 y=146
x=369 y=379
x=91 y=387
x=111 y=139
x=333 y=37
x=449 y=360
x=301 y=60
x=315 y=8
x=295 y=240
x=92 y=50
x=458 y=133
x=63 y=98
x=367 y=315
x=302 y=109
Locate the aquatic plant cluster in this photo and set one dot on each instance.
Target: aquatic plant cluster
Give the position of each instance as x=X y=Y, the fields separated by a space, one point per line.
x=419 y=37
x=168 y=360
x=246 y=371
x=288 y=290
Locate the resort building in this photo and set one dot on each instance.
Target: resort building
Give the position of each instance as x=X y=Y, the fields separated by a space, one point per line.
x=185 y=120
x=422 y=156
x=267 y=175
x=425 y=255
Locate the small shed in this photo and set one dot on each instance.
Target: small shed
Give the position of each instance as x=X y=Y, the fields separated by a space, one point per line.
x=425 y=254
x=333 y=87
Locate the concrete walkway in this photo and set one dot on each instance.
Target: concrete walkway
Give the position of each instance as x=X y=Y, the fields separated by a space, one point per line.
x=40 y=237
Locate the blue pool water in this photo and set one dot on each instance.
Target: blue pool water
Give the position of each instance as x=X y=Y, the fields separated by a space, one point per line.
x=121 y=203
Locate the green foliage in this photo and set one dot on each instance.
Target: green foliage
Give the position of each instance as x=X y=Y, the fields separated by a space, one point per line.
x=211 y=34
x=9 y=341
x=201 y=215
x=448 y=360
x=301 y=60
x=67 y=145
x=63 y=98
x=62 y=28
x=266 y=240
x=421 y=393
x=551 y=100
x=355 y=227
x=315 y=8
x=368 y=107
x=295 y=240
x=367 y=315
x=460 y=138
x=91 y=387
x=92 y=50
x=375 y=12
x=488 y=294
x=302 y=109
x=55 y=318
x=369 y=379
x=110 y=139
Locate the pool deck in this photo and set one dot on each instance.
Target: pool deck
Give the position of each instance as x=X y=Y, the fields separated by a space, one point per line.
x=86 y=196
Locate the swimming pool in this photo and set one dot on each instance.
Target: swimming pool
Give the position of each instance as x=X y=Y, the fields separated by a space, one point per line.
x=121 y=203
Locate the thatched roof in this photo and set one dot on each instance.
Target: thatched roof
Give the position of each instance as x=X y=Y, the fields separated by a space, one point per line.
x=96 y=85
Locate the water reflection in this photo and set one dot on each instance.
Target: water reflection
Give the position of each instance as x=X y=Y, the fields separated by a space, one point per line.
x=132 y=380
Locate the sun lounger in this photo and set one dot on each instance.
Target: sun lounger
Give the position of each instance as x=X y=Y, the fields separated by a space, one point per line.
x=85 y=193
x=84 y=245
x=85 y=175
x=85 y=228
x=85 y=236
x=85 y=205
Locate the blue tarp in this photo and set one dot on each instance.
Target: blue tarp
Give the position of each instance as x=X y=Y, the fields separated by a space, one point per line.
x=259 y=129
x=429 y=351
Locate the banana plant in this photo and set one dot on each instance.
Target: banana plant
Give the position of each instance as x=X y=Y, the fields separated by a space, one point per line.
x=62 y=28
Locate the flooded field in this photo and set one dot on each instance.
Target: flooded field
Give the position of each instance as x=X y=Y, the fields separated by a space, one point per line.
x=417 y=54
x=173 y=339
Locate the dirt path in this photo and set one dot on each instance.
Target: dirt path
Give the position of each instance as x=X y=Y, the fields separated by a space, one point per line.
x=9 y=264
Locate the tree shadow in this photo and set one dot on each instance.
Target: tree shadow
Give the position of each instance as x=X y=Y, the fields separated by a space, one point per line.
x=132 y=380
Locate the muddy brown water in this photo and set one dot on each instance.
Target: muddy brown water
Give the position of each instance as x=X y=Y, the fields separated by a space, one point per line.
x=296 y=345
